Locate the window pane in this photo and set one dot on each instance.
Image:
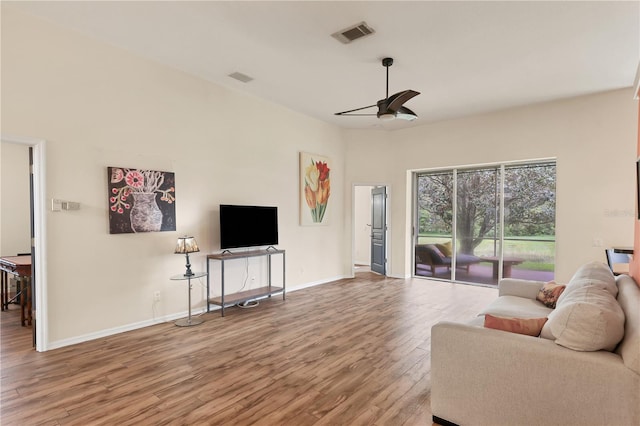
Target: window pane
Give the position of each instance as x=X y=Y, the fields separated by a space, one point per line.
x=529 y=221
x=477 y=225
x=435 y=213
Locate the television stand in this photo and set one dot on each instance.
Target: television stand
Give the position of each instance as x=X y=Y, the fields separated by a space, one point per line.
x=225 y=300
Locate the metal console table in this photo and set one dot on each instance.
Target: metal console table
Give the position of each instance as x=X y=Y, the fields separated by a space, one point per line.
x=231 y=299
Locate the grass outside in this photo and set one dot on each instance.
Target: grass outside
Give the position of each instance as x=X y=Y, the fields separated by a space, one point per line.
x=538 y=252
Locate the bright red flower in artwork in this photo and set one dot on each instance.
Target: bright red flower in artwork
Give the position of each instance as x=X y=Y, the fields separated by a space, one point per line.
x=323 y=169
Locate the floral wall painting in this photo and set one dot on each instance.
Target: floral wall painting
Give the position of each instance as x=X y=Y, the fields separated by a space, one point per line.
x=141 y=200
x=315 y=189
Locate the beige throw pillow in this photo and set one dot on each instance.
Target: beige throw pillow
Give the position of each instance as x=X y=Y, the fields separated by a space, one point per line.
x=587 y=316
x=594 y=274
x=588 y=319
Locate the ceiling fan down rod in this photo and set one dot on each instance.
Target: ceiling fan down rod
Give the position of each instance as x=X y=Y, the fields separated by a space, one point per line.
x=387 y=62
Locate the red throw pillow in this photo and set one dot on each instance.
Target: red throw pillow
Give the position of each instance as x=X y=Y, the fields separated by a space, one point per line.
x=528 y=326
x=549 y=294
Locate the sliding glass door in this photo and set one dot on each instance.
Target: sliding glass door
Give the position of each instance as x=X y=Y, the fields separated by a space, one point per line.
x=503 y=226
x=477 y=224
x=435 y=227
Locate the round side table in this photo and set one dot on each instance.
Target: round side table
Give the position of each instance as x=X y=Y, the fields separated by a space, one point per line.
x=188 y=322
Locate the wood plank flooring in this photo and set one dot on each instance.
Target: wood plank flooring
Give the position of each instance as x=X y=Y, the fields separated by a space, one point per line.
x=351 y=352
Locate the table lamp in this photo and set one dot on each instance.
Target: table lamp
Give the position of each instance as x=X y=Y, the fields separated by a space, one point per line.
x=187 y=245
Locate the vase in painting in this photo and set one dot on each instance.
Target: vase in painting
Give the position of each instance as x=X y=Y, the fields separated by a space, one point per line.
x=145 y=213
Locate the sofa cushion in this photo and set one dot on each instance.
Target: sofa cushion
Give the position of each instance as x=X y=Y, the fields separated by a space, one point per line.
x=586 y=319
x=594 y=274
x=528 y=326
x=549 y=294
x=516 y=307
x=629 y=300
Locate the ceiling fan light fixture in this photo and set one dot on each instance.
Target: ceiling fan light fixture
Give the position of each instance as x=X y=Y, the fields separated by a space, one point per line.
x=387 y=116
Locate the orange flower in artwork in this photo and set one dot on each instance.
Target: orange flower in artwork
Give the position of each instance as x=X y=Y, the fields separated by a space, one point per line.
x=324 y=191
x=310 y=196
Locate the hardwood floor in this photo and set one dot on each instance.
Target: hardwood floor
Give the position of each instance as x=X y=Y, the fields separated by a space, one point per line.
x=350 y=352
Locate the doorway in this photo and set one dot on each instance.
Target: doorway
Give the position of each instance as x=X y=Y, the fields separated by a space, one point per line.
x=368 y=251
x=37 y=205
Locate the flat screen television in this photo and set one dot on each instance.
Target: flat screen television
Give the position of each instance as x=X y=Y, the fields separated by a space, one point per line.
x=248 y=226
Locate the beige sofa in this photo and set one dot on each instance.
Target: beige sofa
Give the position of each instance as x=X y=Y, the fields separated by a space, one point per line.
x=483 y=376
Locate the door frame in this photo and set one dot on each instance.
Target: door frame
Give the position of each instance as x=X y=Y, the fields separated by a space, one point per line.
x=39 y=218
x=353 y=221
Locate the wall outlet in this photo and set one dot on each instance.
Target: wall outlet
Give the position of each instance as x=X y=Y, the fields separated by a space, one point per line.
x=597 y=242
x=156 y=296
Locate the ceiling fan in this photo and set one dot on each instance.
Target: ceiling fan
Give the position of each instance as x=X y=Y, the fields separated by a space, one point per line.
x=390 y=107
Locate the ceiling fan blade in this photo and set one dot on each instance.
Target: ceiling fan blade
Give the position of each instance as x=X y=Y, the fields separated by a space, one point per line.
x=357 y=115
x=390 y=107
x=395 y=101
x=405 y=113
x=353 y=110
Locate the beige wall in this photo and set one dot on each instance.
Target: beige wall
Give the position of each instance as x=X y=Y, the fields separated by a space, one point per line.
x=15 y=233
x=97 y=106
x=592 y=137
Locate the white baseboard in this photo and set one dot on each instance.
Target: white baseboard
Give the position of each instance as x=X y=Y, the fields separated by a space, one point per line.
x=167 y=318
x=315 y=283
x=116 y=330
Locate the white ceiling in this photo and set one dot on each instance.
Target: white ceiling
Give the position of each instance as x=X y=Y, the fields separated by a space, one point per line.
x=464 y=57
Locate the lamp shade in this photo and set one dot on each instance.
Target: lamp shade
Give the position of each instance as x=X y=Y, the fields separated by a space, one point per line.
x=186 y=245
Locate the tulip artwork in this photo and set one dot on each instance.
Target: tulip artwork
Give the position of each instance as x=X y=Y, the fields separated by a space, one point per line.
x=316 y=188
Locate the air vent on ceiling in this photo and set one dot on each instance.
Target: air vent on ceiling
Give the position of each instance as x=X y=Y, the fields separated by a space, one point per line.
x=353 y=33
x=241 y=77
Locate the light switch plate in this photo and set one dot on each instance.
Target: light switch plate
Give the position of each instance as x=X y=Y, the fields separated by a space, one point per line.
x=56 y=205
x=70 y=205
